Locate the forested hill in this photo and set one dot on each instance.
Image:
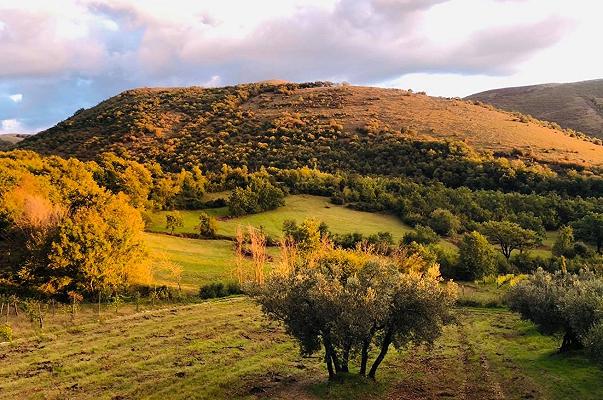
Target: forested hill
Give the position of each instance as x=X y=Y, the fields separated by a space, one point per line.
x=577 y=105
x=334 y=127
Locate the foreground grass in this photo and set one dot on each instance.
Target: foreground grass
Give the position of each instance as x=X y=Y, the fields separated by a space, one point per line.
x=226 y=349
x=298 y=207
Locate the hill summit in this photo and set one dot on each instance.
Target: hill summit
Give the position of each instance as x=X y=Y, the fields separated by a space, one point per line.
x=332 y=126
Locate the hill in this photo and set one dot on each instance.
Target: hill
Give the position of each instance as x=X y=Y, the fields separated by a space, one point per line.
x=334 y=127
x=9 y=139
x=578 y=105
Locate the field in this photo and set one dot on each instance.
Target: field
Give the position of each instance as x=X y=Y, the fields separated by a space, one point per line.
x=225 y=349
x=205 y=261
x=202 y=261
x=298 y=207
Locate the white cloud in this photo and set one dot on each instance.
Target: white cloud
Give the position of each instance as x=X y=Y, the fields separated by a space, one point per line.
x=17 y=98
x=84 y=50
x=10 y=126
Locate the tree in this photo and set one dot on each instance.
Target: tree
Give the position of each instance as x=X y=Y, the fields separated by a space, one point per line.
x=564 y=244
x=306 y=236
x=348 y=302
x=173 y=221
x=509 y=236
x=207 y=226
x=260 y=195
x=444 y=222
x=192 y=188
x=560 y=303
x=99 y=248
x=590 y=229
x=477 y=258
x=421 y=235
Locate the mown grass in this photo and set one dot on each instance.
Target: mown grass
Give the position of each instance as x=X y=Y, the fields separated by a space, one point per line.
x=227 y=350
x=297 y=207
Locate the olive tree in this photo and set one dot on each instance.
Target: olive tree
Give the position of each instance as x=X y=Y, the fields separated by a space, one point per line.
x=351 y=302
x=560 y=303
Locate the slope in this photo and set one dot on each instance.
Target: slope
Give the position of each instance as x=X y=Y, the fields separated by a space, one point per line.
x=578 y=105
x=335 y=127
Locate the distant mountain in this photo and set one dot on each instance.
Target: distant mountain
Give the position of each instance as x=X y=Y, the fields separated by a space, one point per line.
x=578 y=105
x=7 y=140
x=289 y=125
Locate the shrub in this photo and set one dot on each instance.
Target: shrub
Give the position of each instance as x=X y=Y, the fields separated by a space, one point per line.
x=207 y=226
x=6 y=333
x=444 y=222
x=421 y=235
x=219 y=289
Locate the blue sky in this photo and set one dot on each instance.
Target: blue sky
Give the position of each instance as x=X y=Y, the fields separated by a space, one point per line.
x=59 y=56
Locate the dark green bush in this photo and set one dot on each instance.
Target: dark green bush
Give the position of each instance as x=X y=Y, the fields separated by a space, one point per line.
x=219 y=289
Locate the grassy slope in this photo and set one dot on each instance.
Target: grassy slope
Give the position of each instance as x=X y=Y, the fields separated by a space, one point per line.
x=226 y=349
x=202 y=261
x=339 y=219
x=211 y=260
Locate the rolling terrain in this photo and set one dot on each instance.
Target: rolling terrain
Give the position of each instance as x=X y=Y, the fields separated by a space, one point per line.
x=333 y=127
x=577 y=105
x=226 y=349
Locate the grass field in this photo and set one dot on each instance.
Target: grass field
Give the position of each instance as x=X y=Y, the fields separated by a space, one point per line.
x=202 y=261
x=298 y=207
x=227 y=350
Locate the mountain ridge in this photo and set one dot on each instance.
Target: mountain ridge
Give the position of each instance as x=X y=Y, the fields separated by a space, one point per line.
x=251 y=123
x=575 y=105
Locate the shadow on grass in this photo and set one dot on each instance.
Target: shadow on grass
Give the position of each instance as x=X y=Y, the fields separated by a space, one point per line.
x=349 y=386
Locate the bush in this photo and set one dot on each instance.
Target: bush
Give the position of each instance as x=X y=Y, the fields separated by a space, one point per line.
x=219 y=289
x=560 y=303
x=207 y=226
x=594 y=343
x=6 y=333
x=421 y=235
x=444 y=222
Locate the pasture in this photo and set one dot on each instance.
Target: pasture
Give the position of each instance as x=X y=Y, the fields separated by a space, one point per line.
x=226 y=349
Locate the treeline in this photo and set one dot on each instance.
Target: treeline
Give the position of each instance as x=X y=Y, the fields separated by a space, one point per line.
x=215 y=128
x=63 y=235
x=69 y=225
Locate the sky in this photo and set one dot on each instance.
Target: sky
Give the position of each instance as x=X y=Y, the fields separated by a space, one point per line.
x=62 y=55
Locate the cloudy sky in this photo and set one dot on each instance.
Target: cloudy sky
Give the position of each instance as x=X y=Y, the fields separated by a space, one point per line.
x=61 y=55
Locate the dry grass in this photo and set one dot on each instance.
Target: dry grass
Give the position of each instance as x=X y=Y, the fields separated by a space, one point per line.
x=576 y=105
x=484 y=128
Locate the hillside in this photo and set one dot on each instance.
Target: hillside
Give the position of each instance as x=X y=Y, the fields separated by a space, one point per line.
x=578 y=105
x=364 y=129
x=9 y=139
